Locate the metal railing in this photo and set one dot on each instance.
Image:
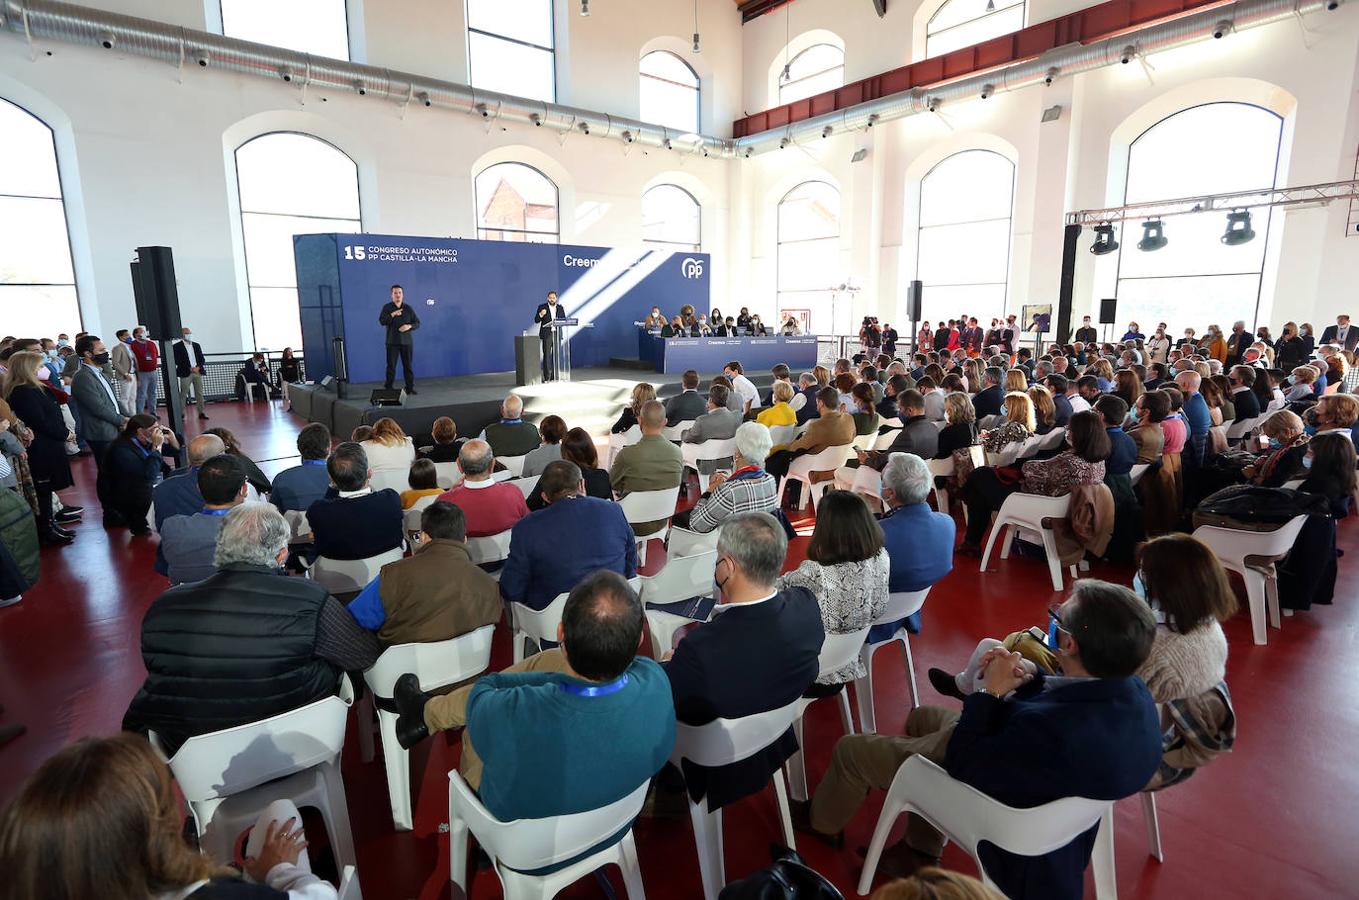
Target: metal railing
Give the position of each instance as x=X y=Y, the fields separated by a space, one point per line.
x=220 y=371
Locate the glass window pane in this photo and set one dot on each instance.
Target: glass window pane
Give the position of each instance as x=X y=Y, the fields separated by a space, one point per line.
x=985 y=301
x=671 y=215
x=1212 y=149
x=817 y=58
x=810 y=210
x=274 y=314
x=34 y=248
x=971 y=30
x=666 y=65
x=967 y=187
x=669 y=104
x=972 y=253
x=529 y=21
x=966 y=205
x=307 y=26
x=510 y=68
x=810 y=265
x=269 y=244
x=1220 y=299
x=817 y=69
x=1195 y=248
x=39 y=310
x=297 y=174
x=516 y=197
x=28 y=159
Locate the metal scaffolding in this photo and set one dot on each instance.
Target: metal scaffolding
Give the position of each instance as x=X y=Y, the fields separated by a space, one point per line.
x=1303 y=196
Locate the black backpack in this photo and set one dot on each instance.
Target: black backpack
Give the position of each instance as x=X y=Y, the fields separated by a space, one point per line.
x=789 y=878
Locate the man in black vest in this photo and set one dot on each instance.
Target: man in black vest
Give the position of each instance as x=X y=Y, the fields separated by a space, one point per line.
x=544 y=316
x=246 y=643
x=399 y=320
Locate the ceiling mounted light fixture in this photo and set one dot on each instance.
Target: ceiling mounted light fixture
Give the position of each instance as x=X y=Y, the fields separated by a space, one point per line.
x=1104 y=240
x=584 y=8
x=697 y=47
x=1153 y=236
x=1238 y=229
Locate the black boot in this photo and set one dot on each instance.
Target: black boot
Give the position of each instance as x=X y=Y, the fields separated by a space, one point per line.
x=946 y=684
x=410 y=704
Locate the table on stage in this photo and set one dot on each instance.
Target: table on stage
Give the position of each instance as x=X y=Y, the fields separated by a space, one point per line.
x=673 y=356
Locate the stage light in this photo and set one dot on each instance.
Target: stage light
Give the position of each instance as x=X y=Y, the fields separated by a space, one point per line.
x=1238 y=229
x=1221 y=28
x=1153 y=236
x=1104 y=240
x=987 y=91
x=827 y=131
x=584 y=8
x=697 y=48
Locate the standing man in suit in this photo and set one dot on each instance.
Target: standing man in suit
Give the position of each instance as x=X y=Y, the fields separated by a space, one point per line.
x=546 y=313
x=972 y=337
x=1009 y=335
x=688 y=404
x=101 y=419
x=399 y=320
x=189 y=365
x=651 y=464
x=759 y=653
x=1341 y=333
x=1086 y=334
x=124 y=371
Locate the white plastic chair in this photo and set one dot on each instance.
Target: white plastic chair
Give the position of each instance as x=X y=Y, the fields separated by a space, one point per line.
x=782 y=434
x=515 y=464
x=296 y=519
x=683 y=542
x=437 y=664
x=837 y=651
x=719 y=743
x=448 y=474
x=1030 y=447
x=537 y=625
x=1007 y=455
x=801 y=469
x=707 y=451
x=1053 y=439
x=676 y=431
x=525 y=485
x=229 y=777
x=1264 y=548
x=489 y=549
x=682 y=578
x=968 y=817
x=349 y=885
x=619 y=441
x=940 y=468
x=1242 y=427
x=1153 y=823
x=345 y=576
x=1028 y=511
x=525 y=845
x=649 y=506
x=885 y=441
x=1137 y=472
x=900 y=604
x=395 y=479
x=865 y=441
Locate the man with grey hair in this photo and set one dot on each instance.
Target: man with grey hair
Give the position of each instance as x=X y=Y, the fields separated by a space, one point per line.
x=918 y=539
x=178 y=495
x=991 y=397
x=651 y=464
x=244 y=644
x=747 y=489
x=359 y=523
x=759 y=653
x=490 y=506
x=512 y=436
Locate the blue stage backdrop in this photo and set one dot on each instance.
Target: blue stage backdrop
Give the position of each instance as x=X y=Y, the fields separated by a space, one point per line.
x=473 y=297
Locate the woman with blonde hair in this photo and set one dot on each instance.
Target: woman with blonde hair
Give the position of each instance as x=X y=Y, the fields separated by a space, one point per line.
x=822 y=376
x=389 y=449
x=1016 y=380
x=780 y=413
x=36 y=405
x=1303 y=378
x=972 y=375
x=1017 y=428
x=101 y=818
x=1290 y=350
x=961 y=430
x=932 y=883
x=1044 y=408
x=642 y=393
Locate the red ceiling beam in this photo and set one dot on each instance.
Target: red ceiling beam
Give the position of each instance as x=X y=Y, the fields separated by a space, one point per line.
x=1086 y=26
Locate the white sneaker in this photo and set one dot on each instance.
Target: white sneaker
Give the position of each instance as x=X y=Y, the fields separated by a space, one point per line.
x=11 y=601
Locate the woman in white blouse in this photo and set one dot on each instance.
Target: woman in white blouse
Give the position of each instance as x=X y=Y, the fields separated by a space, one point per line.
x=390 y=454
x=847 y=570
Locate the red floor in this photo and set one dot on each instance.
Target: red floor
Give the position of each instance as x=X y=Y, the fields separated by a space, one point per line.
x=1265 y=821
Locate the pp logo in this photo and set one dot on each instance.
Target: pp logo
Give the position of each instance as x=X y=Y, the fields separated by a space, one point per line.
x=691 y=268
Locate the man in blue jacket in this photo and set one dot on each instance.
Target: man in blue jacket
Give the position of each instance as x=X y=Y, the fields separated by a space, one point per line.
x=918 y=539
x=1024 y=741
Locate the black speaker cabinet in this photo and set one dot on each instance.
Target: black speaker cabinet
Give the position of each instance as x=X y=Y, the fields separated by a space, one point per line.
x=153 y=286
x=1108 y=311
x=915 y=299
x=387 y=397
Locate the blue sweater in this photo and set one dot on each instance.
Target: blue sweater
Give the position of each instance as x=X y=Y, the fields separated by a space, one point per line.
x=548 y=752
x=1122 y=453
x=301 y=486
x=920 y=544
x=1196 y=415
x=552 y=549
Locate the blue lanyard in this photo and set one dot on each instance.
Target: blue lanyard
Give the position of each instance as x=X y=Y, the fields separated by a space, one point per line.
x=313 y=462
x=213 y=512
x=602 y=690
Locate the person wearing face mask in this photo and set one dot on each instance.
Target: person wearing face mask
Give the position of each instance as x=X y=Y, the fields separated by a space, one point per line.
x=1290 y=351
x=147 y=356
x=1086 y=334
x=1307 y=576
x=654 y=320
x=1133 y=333
x=189 y=366
x=124 y=368
x=701 y=327
x=1188 y=342
x=1158 y=348
x=133 y=466
x=101 y=419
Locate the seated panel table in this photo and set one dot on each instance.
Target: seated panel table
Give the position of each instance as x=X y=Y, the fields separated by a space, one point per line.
x=674 y=355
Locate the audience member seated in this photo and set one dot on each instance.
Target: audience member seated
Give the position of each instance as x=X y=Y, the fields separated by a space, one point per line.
x=734 y=401
x=747 y=489
x=779 y=412
x=932 y=883
x=102 y=818
x=188 y=543
x=1059 y=386
x=919 y=541
x=258 y=480
x=961 y=430
x=1023 y=739
x=1122 y=447
x=358 y=523
x=435 y=594
x=423 y=479
x=1016 y=429
x=553 y=430
x=1307 y=576
x=864 y=411
x=846 y=570
x=988 y=400
x=302 y=485
x=512 y=436
x=1282 y=461
x=688 y=404
x=389 y=449
x=1245 y=402
x=642 y=393
x=552 y=549
x=245 y=643
x=579 y=448
x=809 y=383
x=444 y=433
x=831 y=428
x=178 y=494
x=1151 y=410
x=917 y=435
x=651 y=464
x=896 y=384
x=490 y=506
x=1330 y=465
x=1044 y=409
x=742 y=386
x=1082 y=463
x=1336 y=414
x=133 y=465
x=759 y=653
x=719 y=423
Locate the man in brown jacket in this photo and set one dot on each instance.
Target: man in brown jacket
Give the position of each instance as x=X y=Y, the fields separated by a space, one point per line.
x=831 y=428
x=436 y=594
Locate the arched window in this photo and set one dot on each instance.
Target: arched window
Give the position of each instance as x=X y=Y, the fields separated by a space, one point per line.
x=510 y=48
x=966 y=204
x=963 y=23
x=320 y=27
x=671 y=219
x=37 y=280
x=289 y=184
x=516 y=202
x=669 y=92
x=819 y=68
x=1211 y=149
x=809 y=252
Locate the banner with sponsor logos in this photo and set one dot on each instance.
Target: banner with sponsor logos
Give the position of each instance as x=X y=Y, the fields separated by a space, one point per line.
x=473 y=297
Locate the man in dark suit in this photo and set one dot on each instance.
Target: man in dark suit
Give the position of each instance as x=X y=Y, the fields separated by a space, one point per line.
x=1242 y=381
x=399 y=320
x=1086 y=334
x=1009 y=335
x=95 y=399
x=759 y=653
x=543 y=317
x=178 y=495
x=189 y=365
x=990 y=398
x=918 y=434
x=1341 y=333
x=971 y=338
x=1024 y=740
x=941 y=334
x=1237 y=343
x=359 y=523
x=688 y=404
